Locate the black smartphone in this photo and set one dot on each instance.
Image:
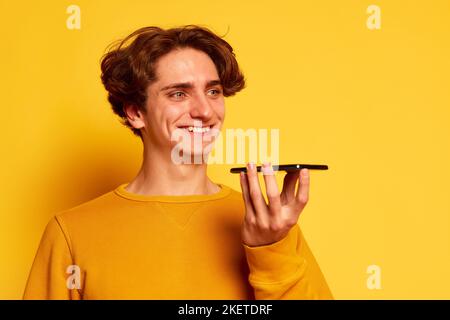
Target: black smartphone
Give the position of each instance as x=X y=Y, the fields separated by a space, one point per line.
x=285 y=167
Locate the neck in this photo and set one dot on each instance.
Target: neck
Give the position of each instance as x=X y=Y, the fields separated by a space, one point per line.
x=159 y=175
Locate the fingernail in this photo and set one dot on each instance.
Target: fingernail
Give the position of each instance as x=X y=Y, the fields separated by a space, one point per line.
x=251 y=165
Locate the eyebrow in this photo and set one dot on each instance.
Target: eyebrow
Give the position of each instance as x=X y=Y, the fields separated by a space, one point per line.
x=189 y=85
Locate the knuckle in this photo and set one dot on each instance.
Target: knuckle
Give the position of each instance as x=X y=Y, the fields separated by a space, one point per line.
x=253 y=193
x=251 y=220
x=275 y=227
x=303 y=199
x=262 y=225
x=290 y=222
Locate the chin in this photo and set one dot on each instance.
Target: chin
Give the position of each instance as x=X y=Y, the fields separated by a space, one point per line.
x=186 y=155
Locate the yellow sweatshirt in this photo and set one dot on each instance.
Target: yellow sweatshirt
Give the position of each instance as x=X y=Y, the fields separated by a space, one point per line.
x=122 y=245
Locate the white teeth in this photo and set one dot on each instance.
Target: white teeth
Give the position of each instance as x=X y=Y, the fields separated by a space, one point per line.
x=198 y=129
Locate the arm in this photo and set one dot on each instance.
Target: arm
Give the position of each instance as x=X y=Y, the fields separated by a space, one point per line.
x=48 y=277
x=286 y=269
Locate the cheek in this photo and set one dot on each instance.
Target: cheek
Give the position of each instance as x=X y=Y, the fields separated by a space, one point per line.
x=170 y=111
x=169 y=115
x=167 y=111
x=219 y=109
x=161 y=116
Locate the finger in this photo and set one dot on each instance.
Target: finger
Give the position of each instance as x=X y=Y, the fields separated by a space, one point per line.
x=303 y=188
x=255 y=190
x=250 y=211
x=272 y=192
x=289 y=182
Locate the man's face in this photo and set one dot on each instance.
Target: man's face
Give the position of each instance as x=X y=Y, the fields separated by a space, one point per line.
x=187 y=92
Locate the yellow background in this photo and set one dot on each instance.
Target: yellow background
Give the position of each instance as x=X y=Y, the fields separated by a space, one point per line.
x=372 y=104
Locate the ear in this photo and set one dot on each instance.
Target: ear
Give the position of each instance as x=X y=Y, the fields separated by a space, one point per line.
x=134 y=116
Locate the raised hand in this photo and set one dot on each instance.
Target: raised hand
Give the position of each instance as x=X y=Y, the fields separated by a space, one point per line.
x=267 y=223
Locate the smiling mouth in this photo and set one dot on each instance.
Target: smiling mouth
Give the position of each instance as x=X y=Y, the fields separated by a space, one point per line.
x=194 y=129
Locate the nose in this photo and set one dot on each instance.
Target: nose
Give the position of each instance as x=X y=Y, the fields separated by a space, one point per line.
x=201 y=108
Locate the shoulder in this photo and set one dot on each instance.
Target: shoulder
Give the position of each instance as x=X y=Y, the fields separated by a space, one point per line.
x=87 y=212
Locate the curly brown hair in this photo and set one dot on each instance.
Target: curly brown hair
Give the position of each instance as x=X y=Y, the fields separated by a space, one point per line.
x=128 y=68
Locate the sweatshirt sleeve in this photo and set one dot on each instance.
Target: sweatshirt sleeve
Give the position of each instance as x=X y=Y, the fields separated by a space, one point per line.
x=286 y=270
x=48 y=278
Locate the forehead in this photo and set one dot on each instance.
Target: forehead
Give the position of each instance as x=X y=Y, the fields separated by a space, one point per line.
x=185 y=64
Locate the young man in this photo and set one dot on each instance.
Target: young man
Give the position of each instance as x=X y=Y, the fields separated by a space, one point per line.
x=172 y=233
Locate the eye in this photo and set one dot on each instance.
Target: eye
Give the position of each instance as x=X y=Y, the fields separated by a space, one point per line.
x=175 y=94
x=217 y=91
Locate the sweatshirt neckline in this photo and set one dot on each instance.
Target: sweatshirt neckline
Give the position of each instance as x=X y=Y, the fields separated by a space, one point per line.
x=222 y=193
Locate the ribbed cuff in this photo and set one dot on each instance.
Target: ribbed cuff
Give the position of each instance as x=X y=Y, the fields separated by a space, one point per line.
x=276 y=262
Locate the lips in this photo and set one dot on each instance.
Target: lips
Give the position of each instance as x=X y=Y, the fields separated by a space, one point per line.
x=196 y=129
